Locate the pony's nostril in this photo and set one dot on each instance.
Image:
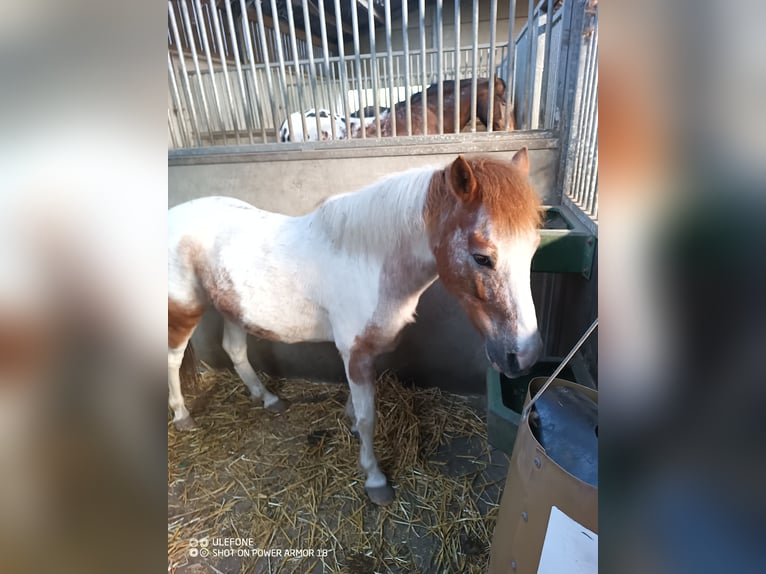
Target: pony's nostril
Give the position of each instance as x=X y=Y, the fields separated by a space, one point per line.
x=513 y=362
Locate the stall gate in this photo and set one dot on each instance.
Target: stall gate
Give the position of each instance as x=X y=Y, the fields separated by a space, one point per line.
x=241 y=71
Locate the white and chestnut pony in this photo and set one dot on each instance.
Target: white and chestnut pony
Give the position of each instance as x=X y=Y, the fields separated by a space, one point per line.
x=352 y=271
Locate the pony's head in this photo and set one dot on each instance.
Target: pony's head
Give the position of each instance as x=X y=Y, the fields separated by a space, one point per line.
x=498 y=107
x=483 y=220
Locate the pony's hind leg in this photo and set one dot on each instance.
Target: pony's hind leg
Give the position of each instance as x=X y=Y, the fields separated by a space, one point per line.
x=235 y=345
x=351 y=415
x=181 y=417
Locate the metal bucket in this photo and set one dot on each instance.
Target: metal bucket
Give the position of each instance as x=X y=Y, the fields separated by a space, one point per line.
x=548 y=519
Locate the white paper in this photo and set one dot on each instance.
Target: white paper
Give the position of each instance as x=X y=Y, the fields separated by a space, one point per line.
x=569 y=547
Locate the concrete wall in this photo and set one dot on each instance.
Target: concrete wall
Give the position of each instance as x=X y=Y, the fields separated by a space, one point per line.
x=441 y=348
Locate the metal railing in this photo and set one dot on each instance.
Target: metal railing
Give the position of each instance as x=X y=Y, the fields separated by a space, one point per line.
x=580 y=161
x=238 y=70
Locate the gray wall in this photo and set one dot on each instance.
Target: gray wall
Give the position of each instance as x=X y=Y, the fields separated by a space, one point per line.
x=441 y=348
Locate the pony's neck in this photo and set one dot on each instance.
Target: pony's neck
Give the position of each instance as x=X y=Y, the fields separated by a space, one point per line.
x=382 y=219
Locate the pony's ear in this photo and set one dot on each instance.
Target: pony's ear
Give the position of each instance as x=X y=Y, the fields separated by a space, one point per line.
x=521 y=160
x=463 y=181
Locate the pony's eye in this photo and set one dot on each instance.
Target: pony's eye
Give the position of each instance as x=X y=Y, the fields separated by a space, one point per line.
x=482 y=260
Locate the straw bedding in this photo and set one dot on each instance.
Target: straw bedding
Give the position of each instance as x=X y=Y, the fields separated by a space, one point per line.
x=291 y=481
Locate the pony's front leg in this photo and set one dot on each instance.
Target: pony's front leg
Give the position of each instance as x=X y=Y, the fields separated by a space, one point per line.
x=361 y=382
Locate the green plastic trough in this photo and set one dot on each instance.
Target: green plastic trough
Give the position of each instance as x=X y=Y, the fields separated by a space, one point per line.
x=566 y=246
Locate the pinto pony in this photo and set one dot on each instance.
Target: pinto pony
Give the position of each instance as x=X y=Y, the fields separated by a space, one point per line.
x=352 y=272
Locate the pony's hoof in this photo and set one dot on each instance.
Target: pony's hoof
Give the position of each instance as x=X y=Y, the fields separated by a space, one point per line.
x=381 y=495
x=185 y=424
x=279 y=406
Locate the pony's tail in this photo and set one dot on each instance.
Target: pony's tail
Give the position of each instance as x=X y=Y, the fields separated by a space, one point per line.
x=189 y=372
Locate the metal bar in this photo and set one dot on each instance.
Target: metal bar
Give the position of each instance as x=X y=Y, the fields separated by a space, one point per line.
x=209 y=60
x=586 y=80
x=440 y=65
x=246 y=104
x=174 y=139
x=374 y=68
x=592 y=126
x=358 y=62
x=546 y=61
x=325 y=52
x=296 y=63
x=342 y=66
x=252 y=38
x=281 y=59
x=186 y=139
x=184 y=74
x=195 y=60
x=208 y=19
x=406 y=49
x=390 y=68
x=196 y=21
x=422 y=12
x=491 y=64
x=456 y=95
x=509 y=80
x=264 y=47
x=530 y=83
x=224 y=67
x=475 y=26
x=312 y=66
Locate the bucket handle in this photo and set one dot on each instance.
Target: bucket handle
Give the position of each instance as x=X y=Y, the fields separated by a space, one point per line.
x=525 y=412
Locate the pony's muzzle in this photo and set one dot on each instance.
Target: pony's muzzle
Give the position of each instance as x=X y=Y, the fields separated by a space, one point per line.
x=518 y=361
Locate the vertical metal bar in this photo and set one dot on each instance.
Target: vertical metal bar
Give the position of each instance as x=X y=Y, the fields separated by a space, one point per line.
x=374 y=67
x=511 y=68
x=220 y=17
x=390 y=68
x=456 y=95
x=422 y=12
x=530 y=80
x=281 y=60
x=296 y=63
x=312 y=66
x=358 y=62
x=173 y=136
x=266 y=61
x=546 y=64
x=249 y=42
x=491 y=64
x=195 y=60
x=326 y=53
x=177 y=102
x=184 y=74
x=246 y=104
x=224 y=67
x=475 y=63
x=207 y=19
x=342 y=66
x=440 y=65
x=406 y=47
x=209 y=60
x=196 y=21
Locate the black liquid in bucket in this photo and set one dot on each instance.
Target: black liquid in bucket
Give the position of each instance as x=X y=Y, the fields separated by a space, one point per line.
x=565 y=423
